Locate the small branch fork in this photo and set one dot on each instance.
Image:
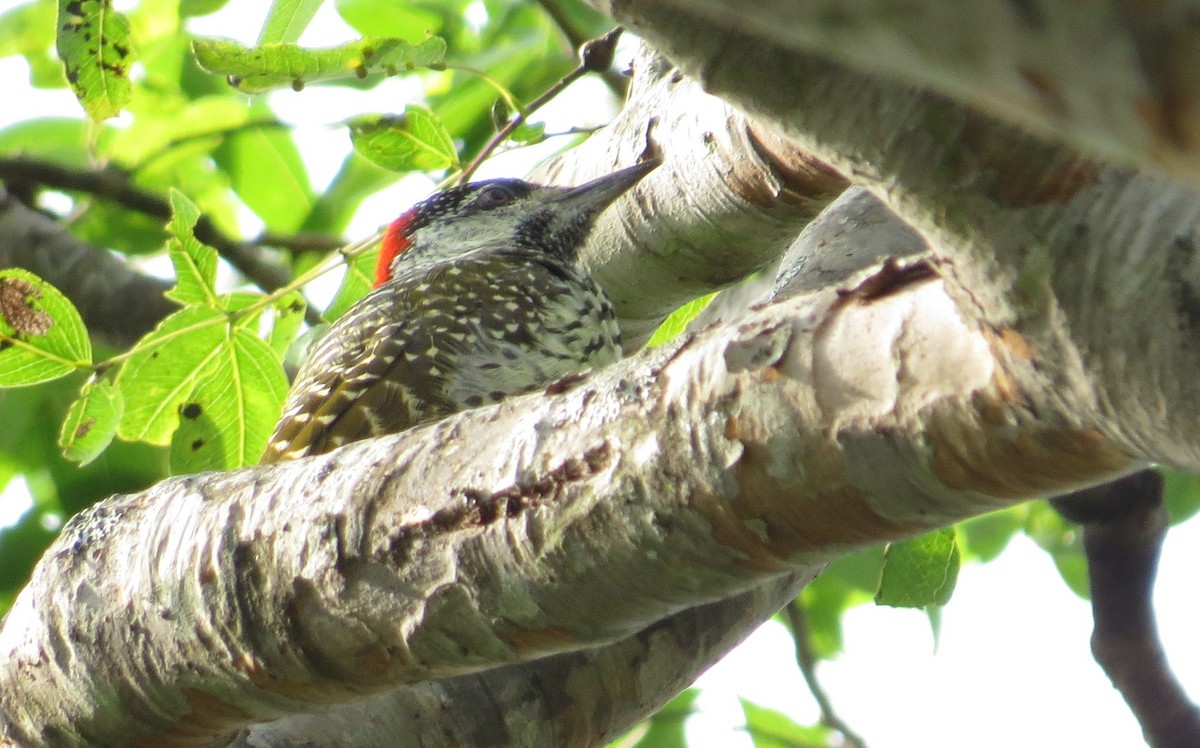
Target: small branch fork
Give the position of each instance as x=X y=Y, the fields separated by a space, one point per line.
x=1124 y=523
x=594 y=56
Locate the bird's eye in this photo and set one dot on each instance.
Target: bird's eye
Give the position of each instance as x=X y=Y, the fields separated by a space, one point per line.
x=494 y=196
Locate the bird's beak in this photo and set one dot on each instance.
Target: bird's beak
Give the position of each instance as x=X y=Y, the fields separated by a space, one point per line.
x=594 y=196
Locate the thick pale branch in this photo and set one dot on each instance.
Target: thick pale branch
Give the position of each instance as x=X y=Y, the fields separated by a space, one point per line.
x=763 y=447
x=542 y=703
x=423 y=568
x=1050 y=247
x=727 y=201
x=1116 y=80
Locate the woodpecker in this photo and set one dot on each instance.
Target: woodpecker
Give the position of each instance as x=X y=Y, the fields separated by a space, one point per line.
x=478 y=295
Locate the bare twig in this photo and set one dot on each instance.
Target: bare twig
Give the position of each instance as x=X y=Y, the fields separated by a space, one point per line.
x=806 y=659
x=595 y=55
x=1124 y=523
x=617 y=83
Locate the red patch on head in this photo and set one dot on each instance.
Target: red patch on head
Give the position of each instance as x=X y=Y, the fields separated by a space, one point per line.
x=395 y=241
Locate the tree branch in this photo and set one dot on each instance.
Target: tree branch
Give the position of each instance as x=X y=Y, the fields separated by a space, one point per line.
x=675 y=478
x=114 y=184
x=870 y=408
x=1124 y=523
x=1130 y=99
x=623 y=684
x=727 y=201
x=993 y=201
x=806 y=660
x=118 y=304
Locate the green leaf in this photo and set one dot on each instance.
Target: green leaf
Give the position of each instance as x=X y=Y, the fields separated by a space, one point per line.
x=200 y=7
x=375 y=18
x=167 y=127
x=107 y=224
x=237 y=301
x=415 y=141
x=46 y=71
x=1063 y=540
x=195 y=262
x=287 y=317
x=42 y=336
x=10 y=466
x=259 y=69
x=769 y=728
x=211 y=389
x=230 y=414
x=678 y=320
x=268 y=174
x=1073 y=568
x=27 y=28
x=920 y=572
x=1181 y=495
x=91 y=421
x=531 y=133
x=360 y=277
x=163 y=370
x=287 y=19
x=986 y=536
x=97 y=53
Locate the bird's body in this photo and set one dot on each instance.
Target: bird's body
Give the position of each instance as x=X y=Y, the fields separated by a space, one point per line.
x=480 y=297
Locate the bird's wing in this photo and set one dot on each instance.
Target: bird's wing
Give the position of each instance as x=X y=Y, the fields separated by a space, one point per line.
x=533 y=330
x=377 y=370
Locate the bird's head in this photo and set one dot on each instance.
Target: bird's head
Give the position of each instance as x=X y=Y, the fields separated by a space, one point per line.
x=497 y=214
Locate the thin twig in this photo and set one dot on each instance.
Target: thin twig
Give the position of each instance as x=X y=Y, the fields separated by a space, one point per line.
x=596 y=55
x=616 y=82
x=806 y=659
x=114 y=184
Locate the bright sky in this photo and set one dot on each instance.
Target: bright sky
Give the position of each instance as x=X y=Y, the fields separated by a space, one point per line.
x=1012 y=667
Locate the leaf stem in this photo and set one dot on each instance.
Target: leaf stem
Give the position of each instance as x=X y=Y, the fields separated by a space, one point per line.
x=43 y=353
x=344 y=254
